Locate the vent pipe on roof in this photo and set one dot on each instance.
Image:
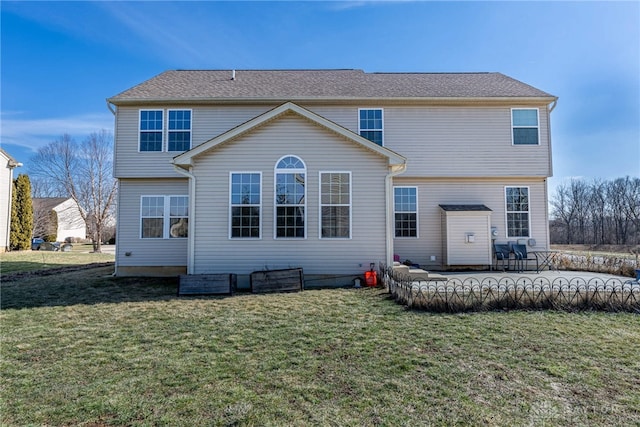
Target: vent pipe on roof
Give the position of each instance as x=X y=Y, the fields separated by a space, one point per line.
x=233 y=74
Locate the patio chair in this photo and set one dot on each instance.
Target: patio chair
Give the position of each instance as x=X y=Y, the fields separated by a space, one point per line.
x=522 y=258
x=501 y=253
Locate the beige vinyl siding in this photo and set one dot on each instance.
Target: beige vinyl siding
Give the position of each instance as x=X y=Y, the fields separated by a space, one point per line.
x=463 y=142
x=439 y=141
x=146 y=252
x=490 y=192
x=459 y=250
x=206 y=123
x=258 y=151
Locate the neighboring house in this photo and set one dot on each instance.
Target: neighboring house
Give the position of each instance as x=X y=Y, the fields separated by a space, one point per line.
x=70 y=222
x=7 y=165
x=328 y=170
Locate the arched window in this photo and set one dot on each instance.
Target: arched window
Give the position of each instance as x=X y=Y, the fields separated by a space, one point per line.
x=290 y=198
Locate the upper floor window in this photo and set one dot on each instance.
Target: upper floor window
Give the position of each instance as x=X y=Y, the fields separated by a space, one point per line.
x=335 y=205
x=406 y=211
x=245 y=204
x=524 y=122
x=517 y=208
x=164 y=217
x=153 y=129
x=370 y=124
x=179 y=130
x=290 y=198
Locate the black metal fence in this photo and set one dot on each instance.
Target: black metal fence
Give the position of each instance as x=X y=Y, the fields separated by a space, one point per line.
x=483 y=294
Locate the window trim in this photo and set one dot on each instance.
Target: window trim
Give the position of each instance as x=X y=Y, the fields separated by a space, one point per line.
x=513 y=142
x=276 y=171
x=320 y=205
x=381 y=129
x=169 y=110
x=140 y=111
x=507 y=212
x=417 y=236
x=164 y=146
x=231 y=206
x=166 y=216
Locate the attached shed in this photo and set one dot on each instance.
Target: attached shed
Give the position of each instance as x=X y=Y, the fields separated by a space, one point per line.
x=466 y=233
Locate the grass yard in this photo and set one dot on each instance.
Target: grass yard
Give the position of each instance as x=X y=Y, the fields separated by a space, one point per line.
x=22 y=261
x=85 y=348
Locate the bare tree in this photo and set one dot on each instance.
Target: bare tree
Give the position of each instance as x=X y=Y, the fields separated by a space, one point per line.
x=601 y=212
x=83 y=172
x=632 y=207
x=564 y=210
x=598 y=202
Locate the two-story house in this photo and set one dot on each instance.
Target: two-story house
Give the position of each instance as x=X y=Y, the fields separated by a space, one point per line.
x=7 y=165
x=328 y=170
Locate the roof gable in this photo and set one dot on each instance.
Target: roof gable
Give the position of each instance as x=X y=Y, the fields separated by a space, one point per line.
x=296 y=85
x=48 y=203
x=185 y=158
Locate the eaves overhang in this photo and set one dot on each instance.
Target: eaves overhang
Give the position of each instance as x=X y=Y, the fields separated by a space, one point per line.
x=497 y=100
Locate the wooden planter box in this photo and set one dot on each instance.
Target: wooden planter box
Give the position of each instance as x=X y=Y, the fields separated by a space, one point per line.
x=207 y=284
x=289 y=280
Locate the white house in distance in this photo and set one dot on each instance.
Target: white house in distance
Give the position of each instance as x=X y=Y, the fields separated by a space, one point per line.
x=329 y=170
x=7 y=165
x=70 y=222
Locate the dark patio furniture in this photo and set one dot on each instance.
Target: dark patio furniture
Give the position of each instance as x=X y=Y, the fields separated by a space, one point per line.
x=501 y=253
x=522 y=258
x=546 y=259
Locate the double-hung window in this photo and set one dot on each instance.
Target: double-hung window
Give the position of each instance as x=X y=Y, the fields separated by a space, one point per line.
x=517 y=208
x=335 y=205
x=151 y=129
x=290 y=198
x=155 y=124
x=245 y=205
x=370 y=124
x=179 y=130
x=405 y=211
x=164 y=217
x=524 y=123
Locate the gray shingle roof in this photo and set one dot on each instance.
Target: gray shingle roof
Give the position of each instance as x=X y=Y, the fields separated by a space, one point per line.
x=47 y=203
x=183 y=85
x=464 y=208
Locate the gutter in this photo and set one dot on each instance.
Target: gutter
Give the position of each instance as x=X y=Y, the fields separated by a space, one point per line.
x=355 y=100
x=192 y=216
x=553 y=106
x=110 y=107
x=388 y=180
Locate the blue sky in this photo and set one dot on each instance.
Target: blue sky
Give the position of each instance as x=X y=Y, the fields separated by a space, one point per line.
x=61 y=60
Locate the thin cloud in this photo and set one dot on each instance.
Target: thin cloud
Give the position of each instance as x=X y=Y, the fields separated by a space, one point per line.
x=35 y=133
x=184 y=40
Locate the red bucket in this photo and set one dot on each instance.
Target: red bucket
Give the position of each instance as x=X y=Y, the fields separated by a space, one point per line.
x=371 y=278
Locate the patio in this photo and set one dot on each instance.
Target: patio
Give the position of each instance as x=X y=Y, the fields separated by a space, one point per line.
x=491 y=290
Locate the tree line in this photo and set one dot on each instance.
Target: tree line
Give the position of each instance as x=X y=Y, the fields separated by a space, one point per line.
x=596 y=212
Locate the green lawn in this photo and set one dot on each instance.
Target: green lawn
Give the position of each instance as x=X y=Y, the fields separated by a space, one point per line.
x=21 y=261
x=85 y=348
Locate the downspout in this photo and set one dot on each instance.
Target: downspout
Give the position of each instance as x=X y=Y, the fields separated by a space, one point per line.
x=546 y=181
x=395 y=171
x=192 y=217
x=113 y=172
